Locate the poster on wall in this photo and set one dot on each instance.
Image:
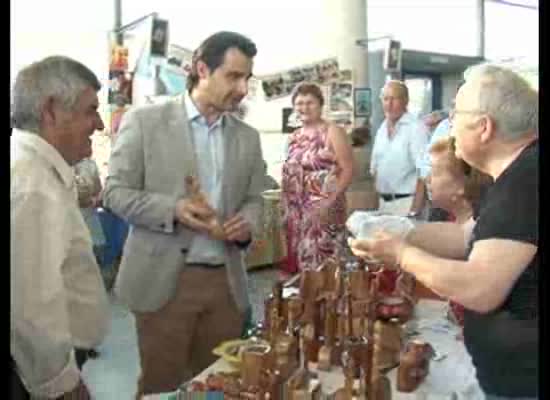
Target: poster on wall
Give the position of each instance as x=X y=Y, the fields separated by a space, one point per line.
x=362 y=101
x=274 y=87
x=120 y=87
x=119 y=58
x=341 y=97
x=159 y=38
x=345 y=75
x=282 y=84
x=392 y=56
x=342 y=119
x=179 y=60
x=291 y=120
x=120 y=80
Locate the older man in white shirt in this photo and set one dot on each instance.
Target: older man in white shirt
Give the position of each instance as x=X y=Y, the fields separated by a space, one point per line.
x=398 y=148
x=58 y=300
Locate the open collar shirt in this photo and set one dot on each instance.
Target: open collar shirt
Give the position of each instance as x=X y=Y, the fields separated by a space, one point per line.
x=395 y=161
x=208 y=141
x=58 y=299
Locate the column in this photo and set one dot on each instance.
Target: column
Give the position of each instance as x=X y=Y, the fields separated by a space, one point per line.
x=345 y=23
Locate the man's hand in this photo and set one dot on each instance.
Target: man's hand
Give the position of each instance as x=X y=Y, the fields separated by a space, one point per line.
x=194 y=215
x=384 y=247
x=237 y=229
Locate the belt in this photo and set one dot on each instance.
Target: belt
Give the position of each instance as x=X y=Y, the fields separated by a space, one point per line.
x=391 y=196
x=206 y=266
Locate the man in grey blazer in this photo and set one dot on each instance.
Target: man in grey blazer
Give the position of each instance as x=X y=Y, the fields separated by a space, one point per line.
x=187 y=290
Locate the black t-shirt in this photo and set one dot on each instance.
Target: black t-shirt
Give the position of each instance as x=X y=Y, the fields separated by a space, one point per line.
x=504 y=343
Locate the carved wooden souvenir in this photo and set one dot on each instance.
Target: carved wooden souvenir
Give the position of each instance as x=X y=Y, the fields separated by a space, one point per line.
x=197 y=196
x=326 y=353
x=284 y=353
x=329 y=271
x=395 y=308
x=359 y=284
x=255 y=358
x=414 y=365
x=387 y=343
x=308 y=292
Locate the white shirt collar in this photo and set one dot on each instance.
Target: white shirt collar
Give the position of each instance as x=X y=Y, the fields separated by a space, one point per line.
x=193 y=112
x=45 y=150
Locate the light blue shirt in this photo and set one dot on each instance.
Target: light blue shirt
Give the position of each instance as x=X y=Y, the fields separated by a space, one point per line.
x=395 y=161
x=209 y=150
x=443 y=129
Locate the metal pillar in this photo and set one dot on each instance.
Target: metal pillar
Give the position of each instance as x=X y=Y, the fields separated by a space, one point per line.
x=481 y=28
x=118 y=22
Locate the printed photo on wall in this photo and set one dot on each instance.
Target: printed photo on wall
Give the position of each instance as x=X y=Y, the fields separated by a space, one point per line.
x=120 y=87
x=159 y=38
x=119 y=58
x=392 y=56
x=291 y=120
x=341 y=96
x=362 y=100
x=274 y=87
x=343 y=119
x=281 y=85
x=179 y=59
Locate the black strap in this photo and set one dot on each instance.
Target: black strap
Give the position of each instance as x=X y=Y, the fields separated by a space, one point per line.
x=391 y=196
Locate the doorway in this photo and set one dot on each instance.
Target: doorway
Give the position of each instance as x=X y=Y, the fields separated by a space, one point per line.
x=424 y=92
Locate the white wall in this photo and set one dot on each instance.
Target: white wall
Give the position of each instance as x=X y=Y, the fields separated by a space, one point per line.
x=77 y=29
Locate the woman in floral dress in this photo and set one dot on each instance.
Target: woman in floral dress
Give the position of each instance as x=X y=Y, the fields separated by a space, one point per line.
x=316 y=174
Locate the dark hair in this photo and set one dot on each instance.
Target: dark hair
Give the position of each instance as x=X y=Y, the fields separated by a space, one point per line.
x=360 y=136
x=212 y=52
x=308 y=88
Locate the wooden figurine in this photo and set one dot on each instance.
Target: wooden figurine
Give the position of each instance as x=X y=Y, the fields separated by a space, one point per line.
x=196 y=195
x=255 y=359
x=414 y=365
x=327 y=352
x=387 y=343
x=273 y=308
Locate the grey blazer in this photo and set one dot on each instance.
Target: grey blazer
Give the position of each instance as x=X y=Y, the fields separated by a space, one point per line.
x=152 y=155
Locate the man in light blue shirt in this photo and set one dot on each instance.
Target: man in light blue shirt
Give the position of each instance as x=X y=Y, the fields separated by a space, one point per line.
x=209 y=143
x=398 y=147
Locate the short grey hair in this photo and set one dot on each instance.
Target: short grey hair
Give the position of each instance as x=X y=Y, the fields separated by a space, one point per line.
x=508 y=98
x=59 y=77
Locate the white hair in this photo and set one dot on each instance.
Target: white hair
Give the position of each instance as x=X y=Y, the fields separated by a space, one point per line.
x=59 y=77
x=508 y=98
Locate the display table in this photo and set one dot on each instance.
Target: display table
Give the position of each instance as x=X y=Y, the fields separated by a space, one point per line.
x=269 y=248
x=452 y=375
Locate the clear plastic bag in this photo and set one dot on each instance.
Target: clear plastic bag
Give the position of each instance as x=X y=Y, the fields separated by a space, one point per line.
x=364 y=224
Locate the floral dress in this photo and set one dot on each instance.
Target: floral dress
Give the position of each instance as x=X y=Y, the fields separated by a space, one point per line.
x=309 y=174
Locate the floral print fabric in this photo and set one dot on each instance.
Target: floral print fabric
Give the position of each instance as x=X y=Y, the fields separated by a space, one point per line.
x=309 y=174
